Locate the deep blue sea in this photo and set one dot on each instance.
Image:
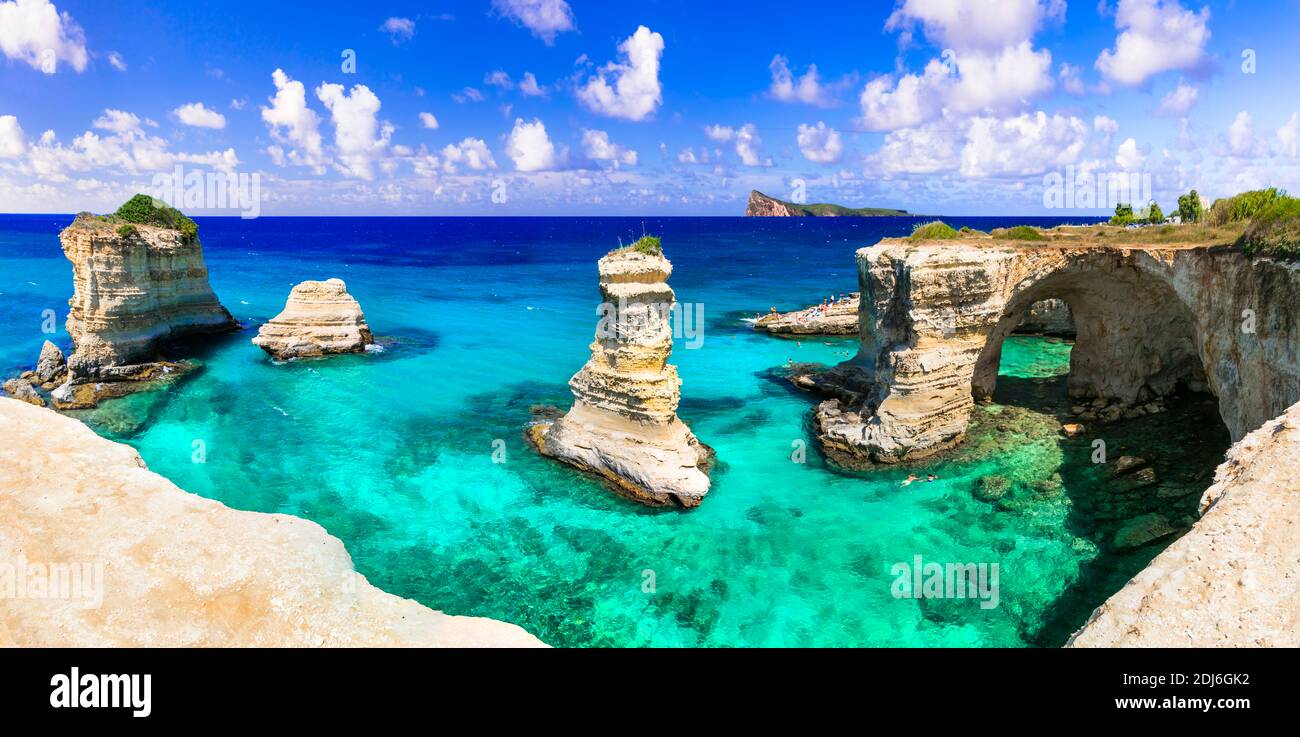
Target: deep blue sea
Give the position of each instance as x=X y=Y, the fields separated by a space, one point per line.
x=484 y=318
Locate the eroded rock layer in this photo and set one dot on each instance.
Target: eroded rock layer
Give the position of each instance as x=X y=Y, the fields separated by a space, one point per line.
x=623 y=425
x=1234 y=579
x=113 y=555
x=133 y=291
x=319 y=319
x=1149 y=321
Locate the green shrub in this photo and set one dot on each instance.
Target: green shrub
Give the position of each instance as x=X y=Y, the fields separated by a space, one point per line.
x=1019 y=233
x=1123 y=214
x=1189 y=207
x=937 y=230
x=145 y=210
x=1275 y=232
x=1244 y=206
x=1154 y=215
x=651 y=245
x=967 y=230
x=126 y=230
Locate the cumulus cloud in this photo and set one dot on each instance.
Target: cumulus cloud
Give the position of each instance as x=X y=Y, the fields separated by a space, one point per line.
x=806 y=89
x=291 y=122
x=597 y=147
x=399 y=30
x=115 y=59
x=472 y=153
x=1178 y=101
x=498 y=78
x=360 y=138
x=429 y=121
x=819 y=144
x=968 y=25
x=748 y=145
x=1023 y=145
x=1127 y=156
x=1287 y=136
x=13 y=143
x=195 y=114
x=928 y=149
x=545 y=18
x=1241 y=136
x=529 y=86
x=1155 y=36
x=628 y=88
x=530 y=147
x=37 y=34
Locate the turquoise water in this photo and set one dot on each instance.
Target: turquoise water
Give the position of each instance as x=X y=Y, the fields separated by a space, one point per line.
x=481 y=320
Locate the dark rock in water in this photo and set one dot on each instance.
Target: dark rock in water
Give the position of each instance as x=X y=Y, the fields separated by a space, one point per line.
x=1135 y=481
x=51 y=365
x=22 y=390
x=1124 y=464
x=1142 y=530
x=991 y=488
x=1048 y=488
x=545 y=412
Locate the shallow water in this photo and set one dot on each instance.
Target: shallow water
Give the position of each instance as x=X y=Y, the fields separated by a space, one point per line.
x=482 y=319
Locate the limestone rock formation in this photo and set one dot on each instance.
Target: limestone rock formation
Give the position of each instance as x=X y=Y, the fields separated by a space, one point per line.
x=134 y=289
x=51 y=365
x=1048 y=317
x=1150 y=320
x=160 y=567
x=22 y=390
x=1234 y=579
x=623 y=425
x=319 y=319
x=838 y=318
x=760 y=205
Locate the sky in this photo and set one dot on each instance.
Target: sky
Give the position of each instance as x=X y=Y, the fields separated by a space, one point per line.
x=548 y=107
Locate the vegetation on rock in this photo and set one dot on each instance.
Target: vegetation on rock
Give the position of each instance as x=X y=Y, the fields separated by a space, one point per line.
x=1244 y=206
x=936 y=230
x=1275 y=231
x=145 y=210
x=1019 y=233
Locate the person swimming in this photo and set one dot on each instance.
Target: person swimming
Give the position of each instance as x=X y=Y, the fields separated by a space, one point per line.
x=910 y=478
x=931 y=477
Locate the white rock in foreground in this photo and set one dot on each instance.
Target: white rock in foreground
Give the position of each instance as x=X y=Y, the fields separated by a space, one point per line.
x=319 y=319
x=180 y=570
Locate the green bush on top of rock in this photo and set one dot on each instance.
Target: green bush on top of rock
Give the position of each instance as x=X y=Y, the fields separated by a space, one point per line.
x=650 y=245
x=1275 y=231
x=1244 y=206
x=1019 y=233
x=937 y=230
x=145 y=210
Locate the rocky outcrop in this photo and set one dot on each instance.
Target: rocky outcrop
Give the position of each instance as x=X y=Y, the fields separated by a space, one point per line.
x=320 y=319
x=1150 y=320
x=623 y=425
x=22 y=390
x=143 y=563
x=760 y=205
x=134 y=288
x=836 y=318
x=1048 y=317
x=1234 y=579
x=51 y=365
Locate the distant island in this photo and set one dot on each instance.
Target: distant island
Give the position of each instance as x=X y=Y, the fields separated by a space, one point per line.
x=760 y=205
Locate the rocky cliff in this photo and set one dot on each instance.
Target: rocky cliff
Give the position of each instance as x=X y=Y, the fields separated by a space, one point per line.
x=319 y=319
x=135 y=287
x=760 y=205
x=623 y=425
x=136 y=561
x=1234 y=579
x=1150 y=320
x=836 y=318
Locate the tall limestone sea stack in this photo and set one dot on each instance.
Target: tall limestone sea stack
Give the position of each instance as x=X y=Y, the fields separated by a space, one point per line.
x=623 y=425
x=139 y=280
x=319 y=319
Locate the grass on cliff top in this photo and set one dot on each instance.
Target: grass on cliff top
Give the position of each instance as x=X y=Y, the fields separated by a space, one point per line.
x=145 y=210
x=936 y=230
x=650 y=245
x=1275 y=231
x=1018 y=233
x=1244 y=206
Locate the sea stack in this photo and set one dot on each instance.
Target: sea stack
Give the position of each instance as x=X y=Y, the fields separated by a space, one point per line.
x=320 y=319
x=623 y=425
x=138 y=280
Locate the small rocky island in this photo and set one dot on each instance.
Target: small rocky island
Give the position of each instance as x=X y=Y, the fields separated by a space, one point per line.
x=320 y=319
x=623 y=425
x=760 y=205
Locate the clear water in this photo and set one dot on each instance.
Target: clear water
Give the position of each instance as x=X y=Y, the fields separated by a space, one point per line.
x=483 y=318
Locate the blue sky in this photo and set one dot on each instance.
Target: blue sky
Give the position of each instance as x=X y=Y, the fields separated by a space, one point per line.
x=936 y=106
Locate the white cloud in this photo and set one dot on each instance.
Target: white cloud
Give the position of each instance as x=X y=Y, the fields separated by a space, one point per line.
x=598 y=147
x=1241 y=136
x=469 y=94
x=807 y=89
x=290 y=121
x=500 y=79
x=1288 y=136
x=1178 y=101
x=528 y=85
x=36 y=33
x=429 y=121
x=970 y=25
x=117 y=121
x=13 y=143
x=545 y=18
x=530 y=147
x=1027 y=144
x=1156 y=36
x=628 y=88
x=359 y=136
x=927 y=149
x=116 y=60
x=195 y=114
x=748 y=144
x=1127 y=156
x=470 y=152
x=399 y=30
x=719 y=133
x=819 y=144
x=1072 y=79
x=1105 y=125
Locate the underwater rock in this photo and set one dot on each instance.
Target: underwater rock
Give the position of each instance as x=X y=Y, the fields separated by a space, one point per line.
x=1142 y=530
x=320 y=318
x=1124 y=464
x=22 y=390
x=623 y=425
x=991 y=488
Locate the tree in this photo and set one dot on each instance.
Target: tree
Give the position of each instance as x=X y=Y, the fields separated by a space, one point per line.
x=1123 y=214
x=1155 y=216
x=1189 y=207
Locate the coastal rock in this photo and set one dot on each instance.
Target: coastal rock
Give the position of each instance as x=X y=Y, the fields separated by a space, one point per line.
x=1234 y=579
x=623 y=425
x=760 y=205
x=133 y=290
x=51 y=365
x=165 y=568
x=837 y=318
x=22 y=390
x=1048 y=317
x=1150 y=321
x=319 y=319
x=1142 y=530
